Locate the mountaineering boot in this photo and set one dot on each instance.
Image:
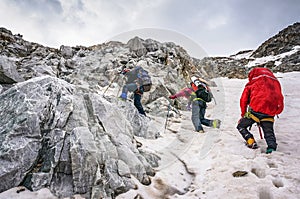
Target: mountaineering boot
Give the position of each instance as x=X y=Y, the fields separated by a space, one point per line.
x=200 y=131
x=270 y=150
x=123 y=96
x=251 y=143
x=216 y=123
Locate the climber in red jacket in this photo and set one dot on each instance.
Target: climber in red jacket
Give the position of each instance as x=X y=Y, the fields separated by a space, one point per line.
x=261 y=100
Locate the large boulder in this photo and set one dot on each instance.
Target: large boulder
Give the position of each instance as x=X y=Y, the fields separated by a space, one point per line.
x=136 y=45
x=8 y=71
x=54 y=134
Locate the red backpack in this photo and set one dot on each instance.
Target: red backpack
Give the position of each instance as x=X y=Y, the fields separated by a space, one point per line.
x=262 y=93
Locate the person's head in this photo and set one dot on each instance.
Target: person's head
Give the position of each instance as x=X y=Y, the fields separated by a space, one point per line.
x=194 y=83
x=258 y=71
x=195 y=80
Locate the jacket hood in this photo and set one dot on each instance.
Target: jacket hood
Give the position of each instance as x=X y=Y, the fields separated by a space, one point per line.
x=257 y=72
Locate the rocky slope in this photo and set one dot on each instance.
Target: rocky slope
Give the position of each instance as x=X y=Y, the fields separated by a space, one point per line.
x=281 y=53
x=62 y=126
x=282 y=42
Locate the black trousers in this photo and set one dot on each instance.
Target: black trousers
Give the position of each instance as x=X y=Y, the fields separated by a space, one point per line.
x=132 y=87
x=137 y=103
x=268 y=130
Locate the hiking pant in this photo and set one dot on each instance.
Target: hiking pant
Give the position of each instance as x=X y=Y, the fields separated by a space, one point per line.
x=132 y=87
x=267 y=127
x=198 y=115
x=137 y=103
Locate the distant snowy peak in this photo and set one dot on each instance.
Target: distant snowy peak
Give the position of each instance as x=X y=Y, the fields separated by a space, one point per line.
x=280 y=53
x=285 y=43
x=242 y=54
x=277 y=60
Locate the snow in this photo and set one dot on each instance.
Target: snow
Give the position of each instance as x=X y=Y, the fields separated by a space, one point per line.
x=276 y=58
x=195 y=165
x=262 y=60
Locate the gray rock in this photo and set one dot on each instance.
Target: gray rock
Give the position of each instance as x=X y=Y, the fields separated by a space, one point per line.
x=136 y=45
x=123 y=169
x=8 y=72
x=52 y=135
x=66 y=51
x=151 y=45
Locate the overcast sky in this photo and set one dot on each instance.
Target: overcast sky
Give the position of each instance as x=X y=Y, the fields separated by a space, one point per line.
x=219 y=27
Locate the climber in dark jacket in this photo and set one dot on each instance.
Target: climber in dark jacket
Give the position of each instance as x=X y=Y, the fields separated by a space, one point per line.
x=134 y=84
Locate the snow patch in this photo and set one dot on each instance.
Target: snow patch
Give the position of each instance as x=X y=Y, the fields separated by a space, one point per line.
x=276 y=58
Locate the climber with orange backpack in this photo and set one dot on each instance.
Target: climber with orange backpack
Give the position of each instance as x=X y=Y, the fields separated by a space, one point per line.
x=199 y=94
x=261 y=100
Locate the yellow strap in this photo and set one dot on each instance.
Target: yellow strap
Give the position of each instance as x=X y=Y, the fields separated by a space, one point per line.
x=254 y=117
x=194 y=98
x=262 y=120
x=267 y=120
x=197 y=99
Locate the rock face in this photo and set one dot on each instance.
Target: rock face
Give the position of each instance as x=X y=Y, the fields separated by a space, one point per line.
x=62 y=126
x=56 y=135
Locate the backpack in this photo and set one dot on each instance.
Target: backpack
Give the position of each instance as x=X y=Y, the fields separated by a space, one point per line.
x=144 y=78
x=264 y=92
x=204 y=94
x=201 y=89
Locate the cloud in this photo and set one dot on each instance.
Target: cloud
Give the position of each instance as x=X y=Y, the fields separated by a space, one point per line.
x=221 y=27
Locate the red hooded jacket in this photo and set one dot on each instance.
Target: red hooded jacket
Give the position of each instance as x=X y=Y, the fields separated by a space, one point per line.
x=262 y=93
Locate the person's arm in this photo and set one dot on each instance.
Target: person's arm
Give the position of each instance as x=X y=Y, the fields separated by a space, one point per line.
x=186 y=92
x=244 y=101
x=280 y=103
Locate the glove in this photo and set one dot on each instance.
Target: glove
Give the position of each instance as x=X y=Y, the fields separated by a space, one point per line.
x=172 y=97
x=124 y=71
x=247 y=115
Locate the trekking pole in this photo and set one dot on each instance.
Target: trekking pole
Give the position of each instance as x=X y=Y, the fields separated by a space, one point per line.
x=212 y=96
x=215 y=101
x=176 y=110
x=119 y=90
x=166 y=123
x=112 y=81
x=122 y=83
